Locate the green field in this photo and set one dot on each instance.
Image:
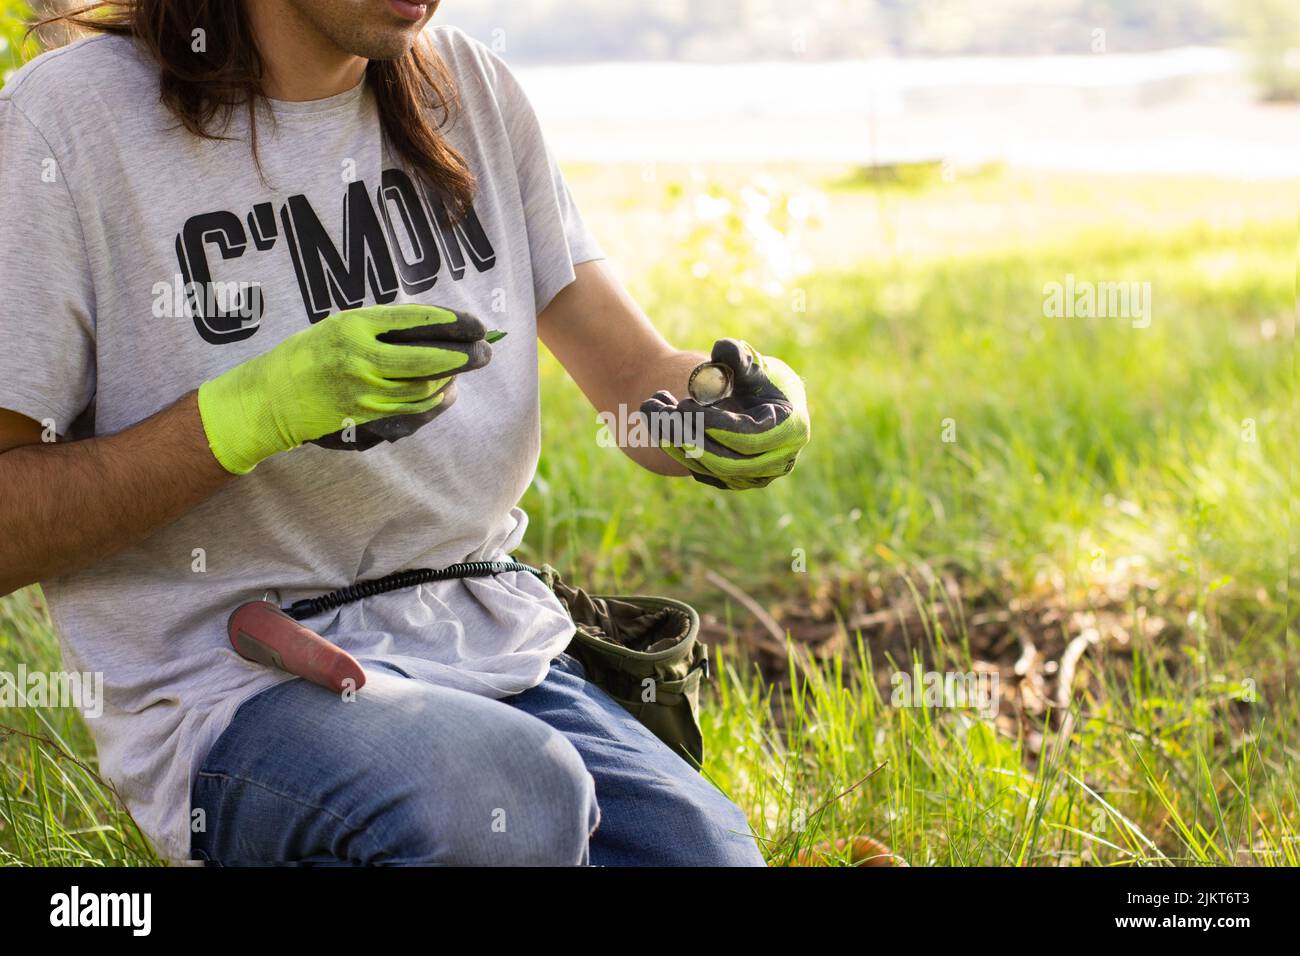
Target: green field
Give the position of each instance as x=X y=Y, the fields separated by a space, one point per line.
x=1092 y=510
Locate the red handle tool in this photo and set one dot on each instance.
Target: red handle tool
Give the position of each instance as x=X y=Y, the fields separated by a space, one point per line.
x=264 y=634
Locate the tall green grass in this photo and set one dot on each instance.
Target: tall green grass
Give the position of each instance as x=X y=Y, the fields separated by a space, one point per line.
x=55 y=808
x=1072 y=435
x=1157 y=771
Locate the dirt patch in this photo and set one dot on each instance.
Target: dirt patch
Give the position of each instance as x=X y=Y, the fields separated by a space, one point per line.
x=1042 y=646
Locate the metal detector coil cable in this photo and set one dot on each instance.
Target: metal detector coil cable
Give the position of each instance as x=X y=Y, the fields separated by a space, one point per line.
x=310 y=607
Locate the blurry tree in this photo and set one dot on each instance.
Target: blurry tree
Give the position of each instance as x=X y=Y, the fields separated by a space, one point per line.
x=1270 y=34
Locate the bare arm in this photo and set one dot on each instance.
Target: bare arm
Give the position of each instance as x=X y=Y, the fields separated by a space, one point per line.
x=608 y=346
x=65 y=506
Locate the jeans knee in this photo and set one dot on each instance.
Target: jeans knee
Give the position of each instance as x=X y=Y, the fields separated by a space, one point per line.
x=710 y=830
x=532 y=803
x=561 y=820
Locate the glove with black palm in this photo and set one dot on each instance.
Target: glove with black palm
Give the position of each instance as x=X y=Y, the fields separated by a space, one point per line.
x=448 y=331
x=750 y=437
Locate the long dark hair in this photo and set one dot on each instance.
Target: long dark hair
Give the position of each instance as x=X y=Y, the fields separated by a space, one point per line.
x=203 y=88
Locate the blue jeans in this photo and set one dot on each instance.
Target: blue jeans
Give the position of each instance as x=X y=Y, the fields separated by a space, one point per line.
x=413 y=774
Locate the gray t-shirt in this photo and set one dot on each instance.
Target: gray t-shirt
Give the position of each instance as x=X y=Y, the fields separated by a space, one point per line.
x=109 y=208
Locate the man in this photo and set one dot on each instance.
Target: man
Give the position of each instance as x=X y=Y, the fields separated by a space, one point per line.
x=221 y=221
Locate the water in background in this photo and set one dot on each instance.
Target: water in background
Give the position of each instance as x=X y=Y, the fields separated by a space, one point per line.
x=1181 y=111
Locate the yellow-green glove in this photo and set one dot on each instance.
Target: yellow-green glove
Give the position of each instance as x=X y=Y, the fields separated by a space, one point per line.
x=349 y=368
x=752 y=436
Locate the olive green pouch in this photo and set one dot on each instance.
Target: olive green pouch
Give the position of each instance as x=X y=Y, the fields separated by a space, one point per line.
x=644 y=652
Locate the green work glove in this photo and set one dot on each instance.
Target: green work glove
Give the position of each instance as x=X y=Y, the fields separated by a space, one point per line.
x=752 y=436
x=350 y=367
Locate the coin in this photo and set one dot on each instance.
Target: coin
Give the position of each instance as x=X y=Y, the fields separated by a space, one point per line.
x=710 y=383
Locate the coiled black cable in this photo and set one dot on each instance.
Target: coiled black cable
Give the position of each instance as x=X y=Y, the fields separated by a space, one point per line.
x=310 y=607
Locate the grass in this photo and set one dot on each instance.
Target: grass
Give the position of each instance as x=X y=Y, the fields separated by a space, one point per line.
x=1120 y=491
x=55 y=809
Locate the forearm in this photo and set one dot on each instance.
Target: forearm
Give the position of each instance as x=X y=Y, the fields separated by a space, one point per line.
x=613 y=352
x=66 y=506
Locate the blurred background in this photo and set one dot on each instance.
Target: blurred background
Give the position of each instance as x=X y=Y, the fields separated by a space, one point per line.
x=1095 y=509
x=1106 y=85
